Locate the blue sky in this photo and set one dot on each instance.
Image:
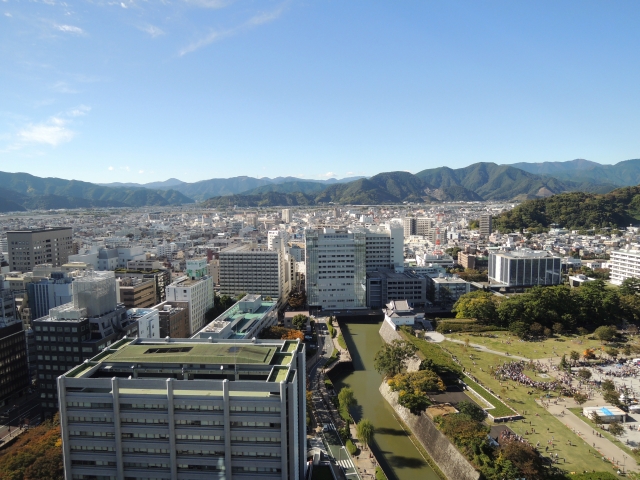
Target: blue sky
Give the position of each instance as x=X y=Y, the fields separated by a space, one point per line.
x=141 y=91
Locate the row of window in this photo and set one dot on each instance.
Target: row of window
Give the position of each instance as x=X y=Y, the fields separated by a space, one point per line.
x=154 y=406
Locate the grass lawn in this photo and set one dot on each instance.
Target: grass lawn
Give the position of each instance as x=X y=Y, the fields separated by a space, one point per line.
x=500 y=410
x=579 y=457
x=551 y=347
x=341 y=342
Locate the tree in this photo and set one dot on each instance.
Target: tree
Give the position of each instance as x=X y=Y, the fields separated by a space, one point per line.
x=292 y=335
x=547 y=332
x=472 y=410
x=300 y=321
x=536 y=329
x=564 y=365
x=280 y=333
x=630 y=286
x=346 y=398
x=390 y=359
x=608 y=386
x=479 y=305
x=612 y=397
x=597 y=419
x=588 y=354
x=584 y=373
x=605 y=333
x=574 y=356
x=612 y=352
x=580 y=398
x=519 y=328
x=558 y=328
x=526 y=458
x=364 y=432
x=412 y=388
x=616 y=429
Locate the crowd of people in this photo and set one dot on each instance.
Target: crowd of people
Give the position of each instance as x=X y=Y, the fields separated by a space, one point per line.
x=515 y=371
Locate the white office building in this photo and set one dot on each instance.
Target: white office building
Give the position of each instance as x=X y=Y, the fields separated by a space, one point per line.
x=337 y=262
x=624 y=264
x=192 y=409
x=197 y=293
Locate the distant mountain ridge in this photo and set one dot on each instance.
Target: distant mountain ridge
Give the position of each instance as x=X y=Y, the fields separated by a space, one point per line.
x=23 y=191
x=621 y=174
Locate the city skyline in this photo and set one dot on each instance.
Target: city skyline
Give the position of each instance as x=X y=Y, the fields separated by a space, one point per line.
x=197 y=89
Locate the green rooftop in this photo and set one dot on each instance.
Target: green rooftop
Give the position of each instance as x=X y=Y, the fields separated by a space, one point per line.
x=194 y=353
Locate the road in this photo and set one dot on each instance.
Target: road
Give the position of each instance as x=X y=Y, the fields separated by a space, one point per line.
x=323 y=417
x=28 y=410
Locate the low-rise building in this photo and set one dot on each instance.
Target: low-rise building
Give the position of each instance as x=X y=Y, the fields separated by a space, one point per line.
x=174 y=319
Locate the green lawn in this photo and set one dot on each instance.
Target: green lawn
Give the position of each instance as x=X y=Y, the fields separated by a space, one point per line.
x=341 y=342
x=551 y=347
x=500 y=410
x=579 y=457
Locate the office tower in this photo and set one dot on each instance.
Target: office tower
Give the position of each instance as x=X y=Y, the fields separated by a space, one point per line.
x=383 y=287
x=187 y=409
x=286 y=215
x=337 y=262
x=136 y=292
x=244 y=320
x=424 y=225
x=277 y=239
x=28 y=248
x=247 y=269
x=486 y=225
x=13 y=350
x=174 y=319
x=78 y=330
x=524 y=268
x=197 y=293
x=160 y=277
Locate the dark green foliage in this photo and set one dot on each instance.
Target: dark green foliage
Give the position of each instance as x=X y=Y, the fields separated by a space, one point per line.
x=390 y=359
x=472 y=410
x=577 y=210
x=300 y=321
x=351 y=448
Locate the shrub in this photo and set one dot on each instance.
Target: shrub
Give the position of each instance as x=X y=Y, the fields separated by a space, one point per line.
x=351 y=448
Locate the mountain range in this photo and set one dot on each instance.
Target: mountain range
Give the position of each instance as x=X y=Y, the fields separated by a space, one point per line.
x=477 y=182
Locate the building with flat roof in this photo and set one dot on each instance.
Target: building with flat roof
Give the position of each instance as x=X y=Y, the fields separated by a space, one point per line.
x=445 y=290
x=197 y=293
x=136 y=292
x=174 y=319
x=486 y=225
x=28 y=248
x=383 y=287
x=524 y=268
x=624 y=264
x=187 y=409
x=244 y=320
x=13 y=350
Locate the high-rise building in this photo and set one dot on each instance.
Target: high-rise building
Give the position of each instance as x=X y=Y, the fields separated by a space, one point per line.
x=187 y=409
x=486 y=225
x=409 y=226
x=48 y=293
x=424 y=225
x=524 y=268
x=248 y=269
x=28 y=248
x=337 y=262
x=78 y=330
x=286 y=215
x=625 y=264
x=13 y=350
x=198 y=294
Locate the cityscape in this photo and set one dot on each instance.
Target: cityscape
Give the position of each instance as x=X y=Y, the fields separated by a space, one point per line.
x=278 y=239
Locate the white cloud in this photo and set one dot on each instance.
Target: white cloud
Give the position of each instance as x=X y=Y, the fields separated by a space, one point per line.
x=52 y=132
x=79 y=111
x=110 y=169
x=7 y=14
x=253 y=22
x=152 y=30
x=140 y=171
x=70 y=29
x=123 y=5
x=329 y=175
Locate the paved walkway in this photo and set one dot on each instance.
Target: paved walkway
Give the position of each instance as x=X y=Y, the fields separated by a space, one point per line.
x=602 y=445
x=482 y=348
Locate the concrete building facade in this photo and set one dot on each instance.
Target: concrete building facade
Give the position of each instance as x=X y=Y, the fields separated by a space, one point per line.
x=198 y=294
x=524 y=268
x=28 y=248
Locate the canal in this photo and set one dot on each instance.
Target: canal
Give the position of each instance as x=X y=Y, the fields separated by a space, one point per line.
x=399 y=458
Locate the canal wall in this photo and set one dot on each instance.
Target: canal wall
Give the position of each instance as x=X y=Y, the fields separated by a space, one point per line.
x=389 y=333
x=447 y=457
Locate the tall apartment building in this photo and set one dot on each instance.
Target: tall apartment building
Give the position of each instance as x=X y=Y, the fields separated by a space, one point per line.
x=409 y=226
x=624 y=264
x=424 y=225
x=486 y=225
x=78 y=330
x=248 y=269
x=187 y=409
x=28 y=248
x=174 y=319
x=197 y=293
x=286 y=215
x=524 y=268
x=136 y=292
x=384 y=247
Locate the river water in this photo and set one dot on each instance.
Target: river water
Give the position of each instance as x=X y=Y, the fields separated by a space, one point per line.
x=398 y=456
